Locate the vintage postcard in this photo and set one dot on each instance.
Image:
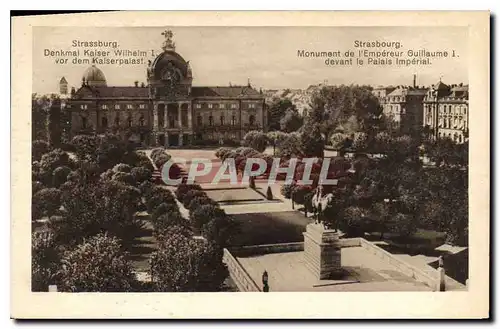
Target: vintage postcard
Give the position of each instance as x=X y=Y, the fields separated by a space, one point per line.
x=250 y=165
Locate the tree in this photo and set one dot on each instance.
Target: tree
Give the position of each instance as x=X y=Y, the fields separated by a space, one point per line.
x=60 y=175
x=276 y=111
x=169 y=219
x=124 y=178
x=312 y=142
x=221 y=230
x=97 y=265
x=276 y=138
x=290 y=146
x=45 y=258
x=338 y=141
x=86 y=147
x=333 y=106
x=39 y=148
x=158 y=196
x=47 y=200
x=122 y=167
x=111 y=150
x=222 y=151
x=403 y=224
x=49 y=162
x=353 y=221
x=141 y=174
x=381 y=216
x=164 y=208
x=184 y=264
x=98 y=207
x=359 y=142
x=291 y=121
x=256 y=140
x=205 y=213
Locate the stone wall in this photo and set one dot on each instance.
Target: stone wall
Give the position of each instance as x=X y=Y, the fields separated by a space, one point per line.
x=239 y=275
x=407 y=269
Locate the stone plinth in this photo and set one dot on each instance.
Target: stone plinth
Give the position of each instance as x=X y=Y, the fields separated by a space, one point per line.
x=322 y=252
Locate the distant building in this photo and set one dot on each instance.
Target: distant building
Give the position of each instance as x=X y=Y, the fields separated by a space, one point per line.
x=168 y=111
x=403 y=105
x=446 y=111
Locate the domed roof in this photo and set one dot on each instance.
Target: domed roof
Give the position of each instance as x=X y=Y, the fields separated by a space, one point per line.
x=94 y=76
x=168 y=56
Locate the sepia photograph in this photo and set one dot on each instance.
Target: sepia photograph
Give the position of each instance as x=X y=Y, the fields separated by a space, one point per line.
x=230 y=159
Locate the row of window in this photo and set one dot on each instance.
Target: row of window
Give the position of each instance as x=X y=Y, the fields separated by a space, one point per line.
x=104 y=122
x=143 y=106
x=456 y=137
x=449 y=109
x=251 y=120
x=117 y=106
x=223 y=106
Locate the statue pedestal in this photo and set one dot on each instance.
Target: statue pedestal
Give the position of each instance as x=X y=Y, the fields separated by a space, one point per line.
x=322 y=252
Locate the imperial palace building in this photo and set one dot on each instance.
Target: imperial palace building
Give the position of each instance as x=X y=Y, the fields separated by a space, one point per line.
x=168 y=110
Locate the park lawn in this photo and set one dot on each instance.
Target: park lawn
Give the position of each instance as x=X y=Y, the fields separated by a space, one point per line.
x=421 y=237
x=270 y=228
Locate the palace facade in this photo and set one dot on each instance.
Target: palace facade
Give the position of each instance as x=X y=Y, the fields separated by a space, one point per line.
x=442 y=109
x=446 y=111
x=168 y=110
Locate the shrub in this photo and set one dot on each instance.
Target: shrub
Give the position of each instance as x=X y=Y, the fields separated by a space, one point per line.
x=97 y=265
x=168 y=220
x=60 y=175
x=124 y=178
x=47 y=200
x=205 y=213
x=286 y=190
x=190 y=195
x=184 y=264
x=122 y=167
x=222 y=151
x=39 y=148
x=198 y=201
x=158 y=196
x=164 y=208
x=141 y=174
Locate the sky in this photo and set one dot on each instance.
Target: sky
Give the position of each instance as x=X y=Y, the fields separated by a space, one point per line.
x=265 y=55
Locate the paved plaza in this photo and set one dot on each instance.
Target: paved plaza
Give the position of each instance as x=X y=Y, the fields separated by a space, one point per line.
x=367 y=272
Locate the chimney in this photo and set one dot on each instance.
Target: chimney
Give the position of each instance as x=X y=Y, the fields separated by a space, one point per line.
x=143 y=85
x=414 y=80
x=136 y=83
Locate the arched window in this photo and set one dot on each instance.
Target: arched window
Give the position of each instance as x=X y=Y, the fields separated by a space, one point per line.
x=211 y=120
x=141 y=121
x=129 y=121
x=104 y=122
x=117 y=120
x=221 y=120
x=84 y=122
x=200 y=120
x=251 y=120
x=460 y=139
x=233 y=120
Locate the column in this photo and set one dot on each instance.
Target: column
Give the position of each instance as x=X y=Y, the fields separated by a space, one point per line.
x=190 y=116
x=180 y=139
x=166 y=122
x=155 y=116
x=166 y=140
x=179 y=117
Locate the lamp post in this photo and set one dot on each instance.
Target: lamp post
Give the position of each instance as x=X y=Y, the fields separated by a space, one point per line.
x=265 y=278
